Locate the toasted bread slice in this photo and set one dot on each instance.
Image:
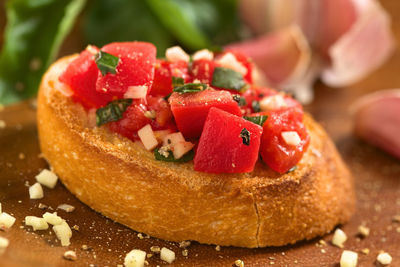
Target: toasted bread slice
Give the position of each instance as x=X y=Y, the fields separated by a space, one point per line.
x=123 y=181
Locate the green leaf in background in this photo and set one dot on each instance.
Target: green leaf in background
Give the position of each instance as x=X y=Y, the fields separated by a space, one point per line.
x=125 y=20
x=34 y=33
x=178 y=17
x=194 y=24
x=199 y=23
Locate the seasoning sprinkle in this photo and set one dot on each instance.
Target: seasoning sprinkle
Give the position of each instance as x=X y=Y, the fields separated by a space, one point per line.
x=245 y=135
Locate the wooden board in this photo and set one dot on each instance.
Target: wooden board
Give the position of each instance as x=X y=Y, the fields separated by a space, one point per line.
x=377 y=179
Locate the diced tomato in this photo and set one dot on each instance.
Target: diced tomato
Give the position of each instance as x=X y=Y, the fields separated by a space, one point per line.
x=190 y=110
x=163 y=115
x=135 y=67
x=274 y=151
x=81 y=76
x=242 y=58
x=223 y=145
x=256 y=93
x=133 y=120
x=203 y=70
x=164 y=70
x=162 y=83
x=138 y=114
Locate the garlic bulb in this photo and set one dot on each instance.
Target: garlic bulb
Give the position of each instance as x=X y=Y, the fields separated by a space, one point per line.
x=341 y=40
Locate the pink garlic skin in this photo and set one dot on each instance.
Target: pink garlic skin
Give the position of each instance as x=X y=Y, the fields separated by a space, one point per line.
x=322 y=21
x=333 y=19
x=284 y=57
x=361 y=50
x=349 y=38
x=276 y=54
x=377 y=120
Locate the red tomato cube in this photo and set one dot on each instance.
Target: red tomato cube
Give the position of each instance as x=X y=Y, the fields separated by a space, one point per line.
x=275 y=152
x=135 y=67
x=132 y=120
x=228 y=144
x=81 y=75
x=190 y=110
x=203 y=70
x=164 y=70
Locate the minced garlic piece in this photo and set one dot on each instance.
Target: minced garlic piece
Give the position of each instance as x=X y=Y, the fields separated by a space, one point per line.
x=348 y=259
x=6 y=220
x=63 y=233
x=37 y=223
x=176 y=53
x=52 y=218
x=384 y=258
x=47 y=178
x=135 y=258
x=167 y=255
x=36 y=191
x=339 y=237
x=203 y=54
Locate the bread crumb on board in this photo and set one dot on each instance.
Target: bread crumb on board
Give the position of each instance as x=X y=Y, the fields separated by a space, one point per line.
x=4 y=242
x=70 y=255
x=363 y=231
x=239 y=263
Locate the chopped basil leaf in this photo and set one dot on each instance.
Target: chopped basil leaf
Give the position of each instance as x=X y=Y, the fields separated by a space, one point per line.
x=240 y=100
x=170 y=158
x=245 y=135
x=106 y=62
x=256 y=106
x=190 y=88
x=167 y=96
x=227 y=79
x=177 y=81
x=257 y=119
x=292 y=169
x=112 y=111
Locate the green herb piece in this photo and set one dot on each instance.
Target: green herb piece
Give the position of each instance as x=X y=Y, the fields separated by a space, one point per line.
x=177 y=81
x=167 y=96
x=113 y=111
x=190 y=88
x=227 y=79
x=292 y=169
x=106 y=63
x=33 y=35
x=257 y=119
x=245 y=135
x=240 y=100
x=170 y=158
x=256 y=106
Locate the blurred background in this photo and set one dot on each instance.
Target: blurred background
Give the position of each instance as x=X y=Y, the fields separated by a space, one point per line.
x=292 y=42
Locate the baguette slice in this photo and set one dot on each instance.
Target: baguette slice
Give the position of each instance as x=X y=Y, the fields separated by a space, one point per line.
x=121 y=180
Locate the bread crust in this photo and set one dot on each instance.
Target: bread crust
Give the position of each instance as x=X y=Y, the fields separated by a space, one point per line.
x=121 y=180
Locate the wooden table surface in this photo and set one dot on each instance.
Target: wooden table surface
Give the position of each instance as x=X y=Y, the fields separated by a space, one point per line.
x=377 y=180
